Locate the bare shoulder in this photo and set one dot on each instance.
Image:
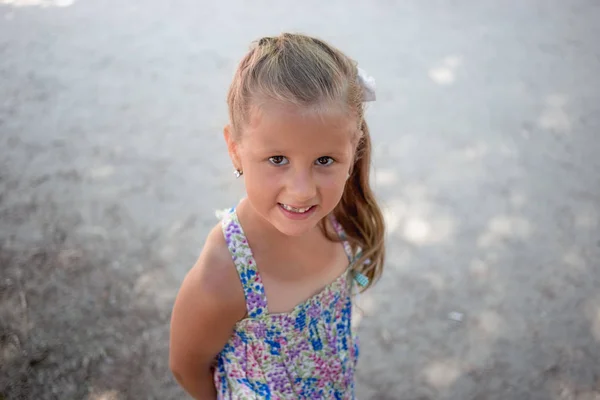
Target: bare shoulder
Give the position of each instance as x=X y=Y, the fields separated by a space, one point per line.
x=215 y=274
x=209 y=304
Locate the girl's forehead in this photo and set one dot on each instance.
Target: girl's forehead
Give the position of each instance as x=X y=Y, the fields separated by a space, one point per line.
x=288 y=125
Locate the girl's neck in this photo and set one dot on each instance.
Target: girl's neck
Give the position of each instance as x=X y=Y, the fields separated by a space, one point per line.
x=304 y=257
x=256 y=226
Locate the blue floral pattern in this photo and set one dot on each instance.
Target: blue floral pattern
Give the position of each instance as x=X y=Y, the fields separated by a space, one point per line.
x=309 y=353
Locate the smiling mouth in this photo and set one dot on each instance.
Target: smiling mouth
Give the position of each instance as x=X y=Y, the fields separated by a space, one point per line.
x=296 y=210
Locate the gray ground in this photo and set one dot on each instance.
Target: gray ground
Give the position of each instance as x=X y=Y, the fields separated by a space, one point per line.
x=486 y=137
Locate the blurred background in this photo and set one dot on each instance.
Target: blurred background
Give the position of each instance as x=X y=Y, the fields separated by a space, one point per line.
x=112 y=165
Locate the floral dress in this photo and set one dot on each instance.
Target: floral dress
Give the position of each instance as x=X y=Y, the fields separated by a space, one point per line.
x=308 y=353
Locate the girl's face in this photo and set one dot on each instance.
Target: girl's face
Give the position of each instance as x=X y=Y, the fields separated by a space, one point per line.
x=295 y=164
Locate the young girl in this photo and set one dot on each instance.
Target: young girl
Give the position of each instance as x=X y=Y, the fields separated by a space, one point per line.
x=265 y=312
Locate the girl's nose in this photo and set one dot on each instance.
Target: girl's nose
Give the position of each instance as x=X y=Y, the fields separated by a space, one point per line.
x=302 y=187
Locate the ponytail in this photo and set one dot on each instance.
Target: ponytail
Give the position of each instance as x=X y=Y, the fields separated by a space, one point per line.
x=360 y=215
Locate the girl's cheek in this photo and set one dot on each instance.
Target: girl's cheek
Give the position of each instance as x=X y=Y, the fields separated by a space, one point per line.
x=332 y=180
x=269 y=176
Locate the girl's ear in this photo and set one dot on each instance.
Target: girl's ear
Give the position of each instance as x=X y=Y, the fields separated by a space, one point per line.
x=232 y=147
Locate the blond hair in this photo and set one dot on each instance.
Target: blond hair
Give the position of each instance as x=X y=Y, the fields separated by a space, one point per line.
x=306 y=72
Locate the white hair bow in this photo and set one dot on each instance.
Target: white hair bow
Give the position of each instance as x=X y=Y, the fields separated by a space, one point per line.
x=368 y=84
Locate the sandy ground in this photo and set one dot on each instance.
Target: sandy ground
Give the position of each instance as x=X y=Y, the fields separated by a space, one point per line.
x=486 y=142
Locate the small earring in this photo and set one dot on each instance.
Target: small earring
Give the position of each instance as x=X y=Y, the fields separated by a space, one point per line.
x=238 y=173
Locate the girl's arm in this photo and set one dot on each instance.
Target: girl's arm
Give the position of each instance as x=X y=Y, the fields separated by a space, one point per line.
x=209 y=304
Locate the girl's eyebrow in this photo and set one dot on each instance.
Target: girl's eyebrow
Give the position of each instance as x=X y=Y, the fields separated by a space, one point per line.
x=270 y=150
x=275 y=152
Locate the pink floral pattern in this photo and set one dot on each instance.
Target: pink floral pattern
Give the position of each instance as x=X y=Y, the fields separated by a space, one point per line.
x=309 y=353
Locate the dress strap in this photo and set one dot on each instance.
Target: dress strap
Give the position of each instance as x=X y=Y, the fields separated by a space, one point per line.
x=254 y=291
x=342 y=235
x=360 y=278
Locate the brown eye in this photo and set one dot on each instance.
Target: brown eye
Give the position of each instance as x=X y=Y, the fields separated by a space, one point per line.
x=324 y=161
x=278 y=160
